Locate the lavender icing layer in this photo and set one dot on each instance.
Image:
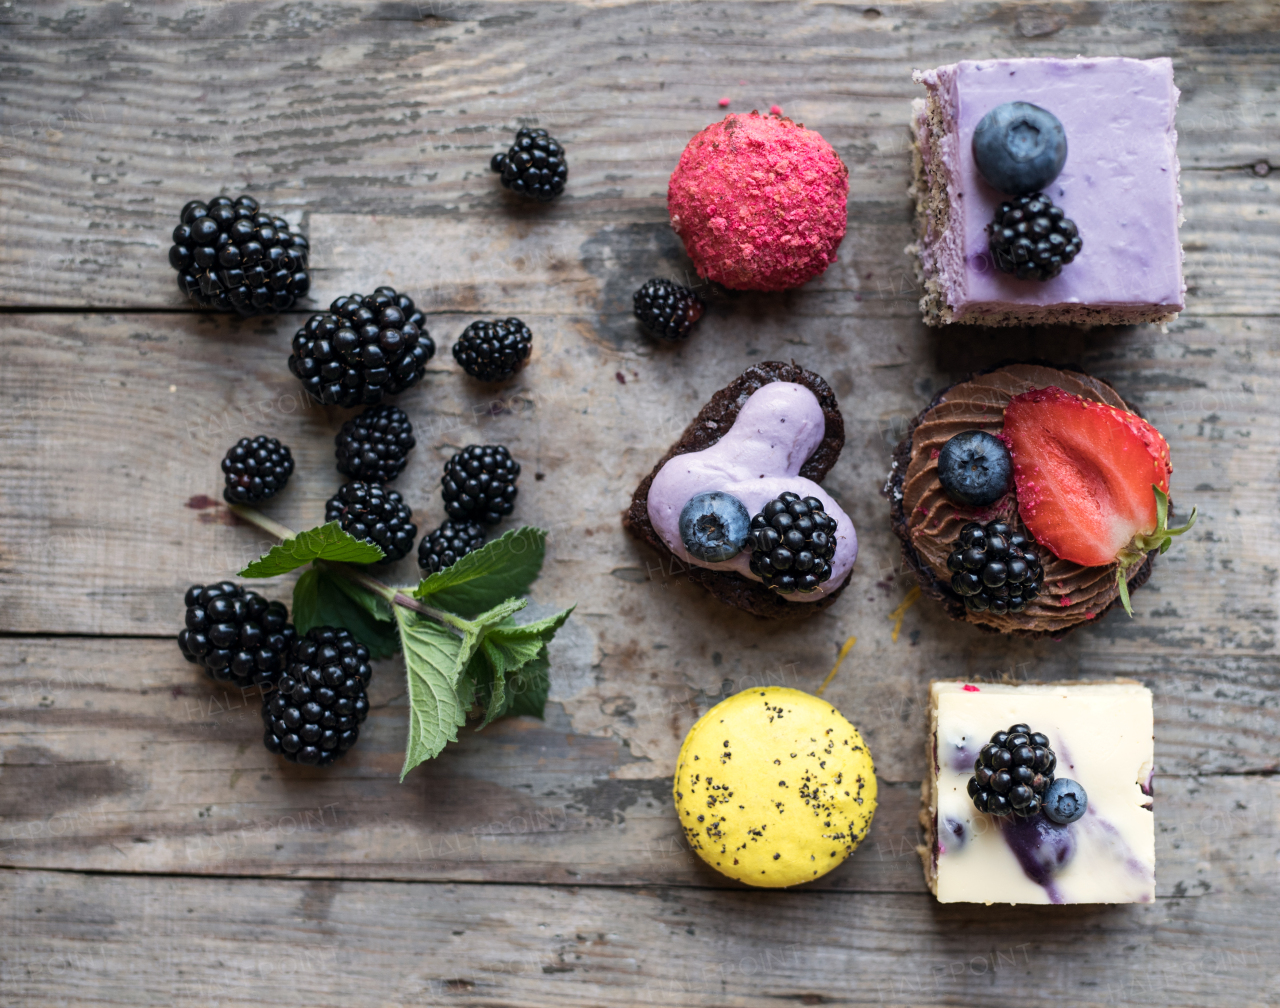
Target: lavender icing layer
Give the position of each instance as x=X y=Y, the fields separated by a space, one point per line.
x=777 y=429
x=1119 y=184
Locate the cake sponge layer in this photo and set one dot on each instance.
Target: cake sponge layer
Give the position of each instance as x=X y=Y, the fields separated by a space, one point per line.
x=1119 y=184
x=1102 y=735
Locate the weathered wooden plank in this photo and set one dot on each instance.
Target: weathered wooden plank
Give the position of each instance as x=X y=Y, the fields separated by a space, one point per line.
x=114 y=426
x=119 y=756
x=115 y=940
x=111 y=121
x=103 y=539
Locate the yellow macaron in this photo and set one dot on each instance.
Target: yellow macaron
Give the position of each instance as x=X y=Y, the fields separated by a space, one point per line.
x=774 y=787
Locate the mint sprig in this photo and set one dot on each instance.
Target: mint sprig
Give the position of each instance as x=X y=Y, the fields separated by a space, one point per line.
x=328 y=542
x=464 y=654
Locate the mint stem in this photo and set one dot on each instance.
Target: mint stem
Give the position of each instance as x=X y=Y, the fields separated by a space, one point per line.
x=255 y=517
x=392 y=595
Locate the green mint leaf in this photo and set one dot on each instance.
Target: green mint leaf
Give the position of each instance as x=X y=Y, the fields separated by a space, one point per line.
x=474 y=678
x=435 y=660
x=498 y=570
x=508 y=648
x=320 y=599
x=371 y=602
x=527 y=690
x=328 y=542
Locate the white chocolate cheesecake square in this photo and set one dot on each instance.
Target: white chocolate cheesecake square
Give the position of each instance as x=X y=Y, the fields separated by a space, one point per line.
x=1102 y=734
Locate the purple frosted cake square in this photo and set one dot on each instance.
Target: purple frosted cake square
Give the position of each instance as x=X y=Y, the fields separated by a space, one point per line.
x=1119 y=184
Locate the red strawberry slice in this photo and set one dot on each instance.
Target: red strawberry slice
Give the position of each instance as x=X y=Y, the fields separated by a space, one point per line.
x=1092 y=480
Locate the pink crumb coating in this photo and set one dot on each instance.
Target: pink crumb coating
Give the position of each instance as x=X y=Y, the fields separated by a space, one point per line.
x=759 y=202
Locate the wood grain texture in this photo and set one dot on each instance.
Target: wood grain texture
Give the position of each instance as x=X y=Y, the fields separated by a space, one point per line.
x=119 y=756
x=80 y=940
x=393 y=109
x=152 y=852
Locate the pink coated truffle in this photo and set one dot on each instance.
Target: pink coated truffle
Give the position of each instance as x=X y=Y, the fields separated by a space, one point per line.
x=759 y=202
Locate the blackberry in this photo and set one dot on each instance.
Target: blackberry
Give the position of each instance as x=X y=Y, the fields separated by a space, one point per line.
x=493 y=351
x=666 y=309
x=236 y=635
x=366 y=346
x=375 y=514
x=256 y=469
x=232 y=257
x=792 y=543
x=374 y=446
x=448 y=544
x=993 y=568
x=479 y=484
x=314 y=715
x=1031 y=239
x=1012 y=773
x=534 y=167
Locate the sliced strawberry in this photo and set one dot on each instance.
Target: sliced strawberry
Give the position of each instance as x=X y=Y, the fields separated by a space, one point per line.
x=1092 y=480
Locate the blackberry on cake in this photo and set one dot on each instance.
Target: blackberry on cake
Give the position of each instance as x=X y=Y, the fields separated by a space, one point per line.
x=231 y=256
x=448 y=544
x=534 y=166
x=374 y=446
x=792 y=543
x=1032 y=239
x=375 y=514
x=365 y=347
x=314 y=714
x=666 y=309
x=256 y=469
x=493 y=351
x=479 y=484
x=1012 y=773
x=235 y=635
x=995 y=568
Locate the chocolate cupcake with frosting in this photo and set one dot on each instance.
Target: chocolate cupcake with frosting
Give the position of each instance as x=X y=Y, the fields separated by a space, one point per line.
x=1030 y=499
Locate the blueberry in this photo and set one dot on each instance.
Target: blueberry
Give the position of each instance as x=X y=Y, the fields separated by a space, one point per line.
x=1065 y=801
x=974 y=468
x=714 y=526
x=1019 y=148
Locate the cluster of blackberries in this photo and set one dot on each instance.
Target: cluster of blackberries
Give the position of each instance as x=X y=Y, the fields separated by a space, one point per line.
x=792 y=543
x=534 y=166
x=256 y=469
x=314 y=714
x=493 y=351
x=233 y=258
x=1012 y=773
x=994 y=569
x=1032 y=239
x=374 y=447
x=235 y=635
x=365 y=347
x=666 y=309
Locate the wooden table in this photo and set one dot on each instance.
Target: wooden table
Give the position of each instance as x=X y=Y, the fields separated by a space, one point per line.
x=154 y=853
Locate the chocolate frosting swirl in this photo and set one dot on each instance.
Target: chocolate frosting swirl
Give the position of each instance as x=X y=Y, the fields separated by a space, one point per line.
x=1071 y=594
